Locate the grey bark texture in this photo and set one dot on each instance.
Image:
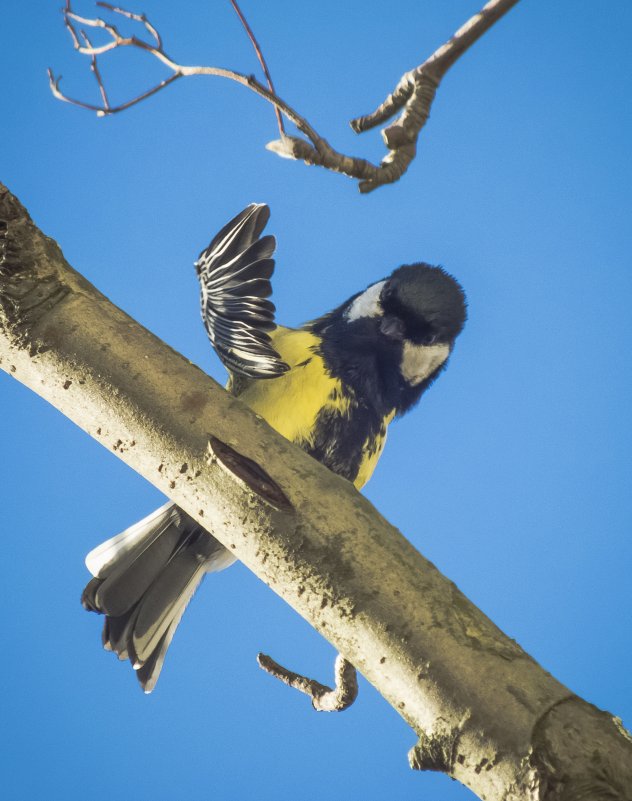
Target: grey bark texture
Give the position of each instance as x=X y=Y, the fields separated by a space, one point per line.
x=485 y=712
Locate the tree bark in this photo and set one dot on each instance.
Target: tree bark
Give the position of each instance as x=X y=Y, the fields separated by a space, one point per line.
x=485 y=712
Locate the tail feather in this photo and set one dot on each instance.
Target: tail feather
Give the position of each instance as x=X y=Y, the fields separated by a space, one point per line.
x=101 y=559
x=144 y=580
x=116 y=633
x=148 y=673
x=88 y=600
x=130 y=579
x=165 y=600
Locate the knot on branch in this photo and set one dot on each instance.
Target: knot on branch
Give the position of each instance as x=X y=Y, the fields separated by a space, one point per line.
x=249 y=473
x=435 y=752
x=415 y=114
x=396 y=136
x=580 y=753
x=292 y=147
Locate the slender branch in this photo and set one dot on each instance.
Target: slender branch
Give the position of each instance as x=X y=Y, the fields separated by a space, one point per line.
x=103 y=110
x=324 y=699
x=262 y=61
x=435 y=67
x=95 y=71
x=412 y=97
x=136 y=17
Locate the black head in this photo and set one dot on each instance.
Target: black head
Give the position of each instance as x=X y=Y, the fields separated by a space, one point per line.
x=423 y=304
x=392 y=340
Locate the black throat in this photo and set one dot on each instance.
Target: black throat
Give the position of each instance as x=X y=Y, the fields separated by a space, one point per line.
x=367 y=363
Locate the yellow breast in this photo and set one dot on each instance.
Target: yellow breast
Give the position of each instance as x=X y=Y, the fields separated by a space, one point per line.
x=292 y=402
x=372 y=451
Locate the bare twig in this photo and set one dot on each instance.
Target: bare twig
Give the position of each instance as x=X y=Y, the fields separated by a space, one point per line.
x=435 y=67
x=262 y=61
x=95 y=71
x=103 y=111
x=412 y=97
x=324 y=699
x=137 y=18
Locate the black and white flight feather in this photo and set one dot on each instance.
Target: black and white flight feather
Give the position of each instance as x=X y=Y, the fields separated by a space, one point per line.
x=234 y=272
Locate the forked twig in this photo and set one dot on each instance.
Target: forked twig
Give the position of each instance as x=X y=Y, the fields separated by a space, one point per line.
x=411 y=99
x=324 y=699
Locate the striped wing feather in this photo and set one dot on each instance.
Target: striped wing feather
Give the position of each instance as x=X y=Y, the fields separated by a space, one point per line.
x=234 y=272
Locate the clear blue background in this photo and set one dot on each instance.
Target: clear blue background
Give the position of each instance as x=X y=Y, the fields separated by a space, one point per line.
x=513 y=476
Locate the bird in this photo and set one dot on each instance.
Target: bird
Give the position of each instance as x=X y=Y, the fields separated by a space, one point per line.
x=332 y=387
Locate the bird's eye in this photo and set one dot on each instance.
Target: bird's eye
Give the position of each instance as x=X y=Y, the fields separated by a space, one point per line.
x=429 y=339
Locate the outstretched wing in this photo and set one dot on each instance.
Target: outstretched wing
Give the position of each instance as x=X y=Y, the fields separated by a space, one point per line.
x=234 y=272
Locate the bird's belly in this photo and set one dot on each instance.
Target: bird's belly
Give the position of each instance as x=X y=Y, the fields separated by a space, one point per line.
x=350 y=443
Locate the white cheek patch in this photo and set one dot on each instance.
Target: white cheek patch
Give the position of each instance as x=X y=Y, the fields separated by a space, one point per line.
x=367 y=304
x=420 y=361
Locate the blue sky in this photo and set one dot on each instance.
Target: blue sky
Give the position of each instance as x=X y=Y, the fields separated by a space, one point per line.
x=512 y=476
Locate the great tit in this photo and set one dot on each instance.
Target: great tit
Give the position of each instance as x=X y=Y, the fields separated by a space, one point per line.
x=331 y=386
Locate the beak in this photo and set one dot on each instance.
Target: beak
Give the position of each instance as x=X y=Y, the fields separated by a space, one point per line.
x=392 y=327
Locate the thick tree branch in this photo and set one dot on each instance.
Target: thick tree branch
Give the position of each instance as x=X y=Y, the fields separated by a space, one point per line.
x=412 y=97
x=486 y=713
